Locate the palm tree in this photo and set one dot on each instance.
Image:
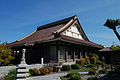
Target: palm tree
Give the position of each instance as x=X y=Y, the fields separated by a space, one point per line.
x=113 y=24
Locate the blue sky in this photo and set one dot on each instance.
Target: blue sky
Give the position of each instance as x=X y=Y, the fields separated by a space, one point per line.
x=19 y=18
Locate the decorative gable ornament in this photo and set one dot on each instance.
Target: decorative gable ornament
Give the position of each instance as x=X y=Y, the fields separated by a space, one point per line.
x=73 y=31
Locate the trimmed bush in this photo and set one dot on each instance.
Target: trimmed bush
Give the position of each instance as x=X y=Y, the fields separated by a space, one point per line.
x=70 y=74
x=82 y=61
x=75 y=66
x=34 y=72
x=90 y=65
x=44 y=71
x=87 y=60
x=93 y=60
x=75 y=76
x=55 y=69
x=92 y=78
x=92 y=72
x=63 y=78
x=66 y=68
x=103 y=71
x=50 y=69
x=11 y=75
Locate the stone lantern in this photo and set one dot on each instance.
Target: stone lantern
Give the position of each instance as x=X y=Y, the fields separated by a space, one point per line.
x=22 y=71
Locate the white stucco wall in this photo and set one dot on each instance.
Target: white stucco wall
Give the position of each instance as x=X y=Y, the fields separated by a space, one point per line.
x=73 y=31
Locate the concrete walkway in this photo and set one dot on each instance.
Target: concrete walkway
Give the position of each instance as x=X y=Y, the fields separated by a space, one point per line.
x=48 y=77
x=57 y=77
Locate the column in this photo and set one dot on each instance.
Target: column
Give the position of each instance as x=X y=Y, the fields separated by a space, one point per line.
x=80 y=55
x=66 y=56
x=74 y=56
x=85 y=54
x=58 y=55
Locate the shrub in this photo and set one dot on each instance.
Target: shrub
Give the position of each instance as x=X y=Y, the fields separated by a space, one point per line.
x=44 y=71
x=50 y=69
x=75 y=66
x=100 y=62
x=103 y=71
x=70 y=74
x=63 y=78
x=93 y=60
x=82 y=61
x=11 y=75
x=55 y=69
x=92 y=78
x=75 y=76
x=90 y=65
x=92 y=72
x=6 y=54
x=87 y=60
x=34 y=72
x=66 y=68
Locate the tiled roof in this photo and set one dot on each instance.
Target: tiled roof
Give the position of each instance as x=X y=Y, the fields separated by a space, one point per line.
x=106 y=49
x=39 y=35
x=82 y=42
x=45 y=33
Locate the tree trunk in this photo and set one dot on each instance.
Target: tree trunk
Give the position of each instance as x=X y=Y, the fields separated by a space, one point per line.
x=116 y=33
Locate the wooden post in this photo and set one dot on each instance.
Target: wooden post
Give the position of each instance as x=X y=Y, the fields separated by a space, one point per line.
x=58 y=55
x=85 y=54
x=66 y=56
x=80 y=55
x=74 y=56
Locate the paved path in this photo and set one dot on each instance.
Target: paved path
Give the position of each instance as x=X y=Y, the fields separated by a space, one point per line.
x=5 y=69
x=57 y=77
x=48 y=77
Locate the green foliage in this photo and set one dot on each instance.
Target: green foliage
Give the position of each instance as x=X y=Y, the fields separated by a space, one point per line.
x=63 y=78
x=90 y=65
x=66 y=68
x=75 y=66
x=94 y=58
x=70 y=74
x=92 y=78
x=92 y=72
x=103 y=71
x=115 y=47
x=11 y=75
x=100 y=62
x=111 y=23
x=94 y=54
x=5 y=55
x=55 y=69
x=75 y=76
x=81 y=61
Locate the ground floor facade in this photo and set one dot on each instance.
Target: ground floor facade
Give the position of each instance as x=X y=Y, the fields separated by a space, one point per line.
x=57 y=51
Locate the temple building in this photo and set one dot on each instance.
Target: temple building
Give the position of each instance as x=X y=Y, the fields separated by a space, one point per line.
x=61 y=41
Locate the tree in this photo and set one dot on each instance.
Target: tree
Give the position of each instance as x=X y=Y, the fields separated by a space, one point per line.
x=5 y=54
x=115 y=47
x=112 y=24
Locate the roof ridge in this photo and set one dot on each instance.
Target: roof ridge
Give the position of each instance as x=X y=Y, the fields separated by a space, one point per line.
x=55 y=23
x=67 y=25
